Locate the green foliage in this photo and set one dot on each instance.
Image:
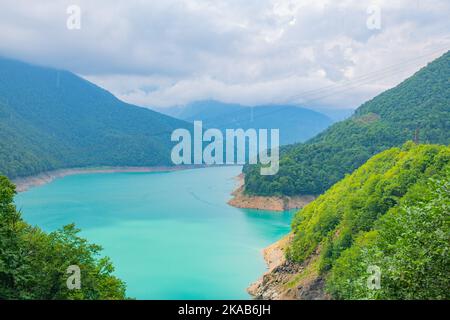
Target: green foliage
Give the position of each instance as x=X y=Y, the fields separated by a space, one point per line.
x=393 y=212
x=51 y=119
x=410 y=245
x=422 y=103
x=33 y=264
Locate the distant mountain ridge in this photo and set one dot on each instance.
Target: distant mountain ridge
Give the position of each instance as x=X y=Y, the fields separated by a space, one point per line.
x=296 y=124
x=52 y=119
x=417 y=109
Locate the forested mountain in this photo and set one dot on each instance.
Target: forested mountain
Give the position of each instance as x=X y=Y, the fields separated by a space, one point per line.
x=391 y=216
x=418 y=108
x=51 y=119
x=34 y=264
x=295 y=124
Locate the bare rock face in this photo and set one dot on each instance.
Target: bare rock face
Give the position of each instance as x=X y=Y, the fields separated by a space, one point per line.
x=273 y=203
x=288 y=280
x=279 y=284
x=313 y=290
x=271 y=285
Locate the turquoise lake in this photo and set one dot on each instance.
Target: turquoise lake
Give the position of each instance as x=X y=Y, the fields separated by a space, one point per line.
x=170 y=235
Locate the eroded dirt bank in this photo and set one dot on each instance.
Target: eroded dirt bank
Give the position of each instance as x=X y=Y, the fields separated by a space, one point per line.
x=25 y=183
x=241 y=200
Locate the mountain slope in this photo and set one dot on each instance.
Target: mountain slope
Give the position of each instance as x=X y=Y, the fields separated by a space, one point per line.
x=296 y=124
x=418 y=107
x=391 y=214
x=51 y=119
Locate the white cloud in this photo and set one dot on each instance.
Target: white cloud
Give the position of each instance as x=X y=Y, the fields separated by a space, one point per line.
x=171 y=52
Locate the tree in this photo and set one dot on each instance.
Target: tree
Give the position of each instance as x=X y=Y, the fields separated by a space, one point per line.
x=34 y=264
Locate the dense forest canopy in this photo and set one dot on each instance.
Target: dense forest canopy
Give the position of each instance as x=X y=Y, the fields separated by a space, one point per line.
x=392 y=213
x=52 y=119
x=418 y=108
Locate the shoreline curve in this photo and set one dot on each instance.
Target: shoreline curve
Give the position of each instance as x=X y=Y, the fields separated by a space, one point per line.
x=25 y=183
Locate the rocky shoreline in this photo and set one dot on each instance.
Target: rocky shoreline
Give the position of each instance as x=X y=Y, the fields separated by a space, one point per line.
x=287 y=280
x=284 y=280
x=273 y=203
x=25 y=183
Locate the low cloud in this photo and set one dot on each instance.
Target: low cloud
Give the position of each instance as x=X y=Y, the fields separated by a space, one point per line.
x=164 y=53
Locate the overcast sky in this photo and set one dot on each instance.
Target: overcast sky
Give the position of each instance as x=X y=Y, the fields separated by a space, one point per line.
x=171 y=52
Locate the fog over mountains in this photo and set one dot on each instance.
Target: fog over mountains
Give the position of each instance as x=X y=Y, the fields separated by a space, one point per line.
x=296 y=124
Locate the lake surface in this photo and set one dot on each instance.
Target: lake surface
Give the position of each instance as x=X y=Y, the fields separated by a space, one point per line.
x=170 y=235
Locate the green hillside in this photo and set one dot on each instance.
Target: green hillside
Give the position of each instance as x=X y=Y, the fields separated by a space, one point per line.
x=418 y=107
x=392 y=213
x=51 y=119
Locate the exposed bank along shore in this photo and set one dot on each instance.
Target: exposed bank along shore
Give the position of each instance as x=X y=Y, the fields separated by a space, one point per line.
x=284 y=280
x=25 y=183
x=241 y=200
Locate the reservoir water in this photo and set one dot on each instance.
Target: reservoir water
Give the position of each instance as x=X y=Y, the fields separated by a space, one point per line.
x=170 y=235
